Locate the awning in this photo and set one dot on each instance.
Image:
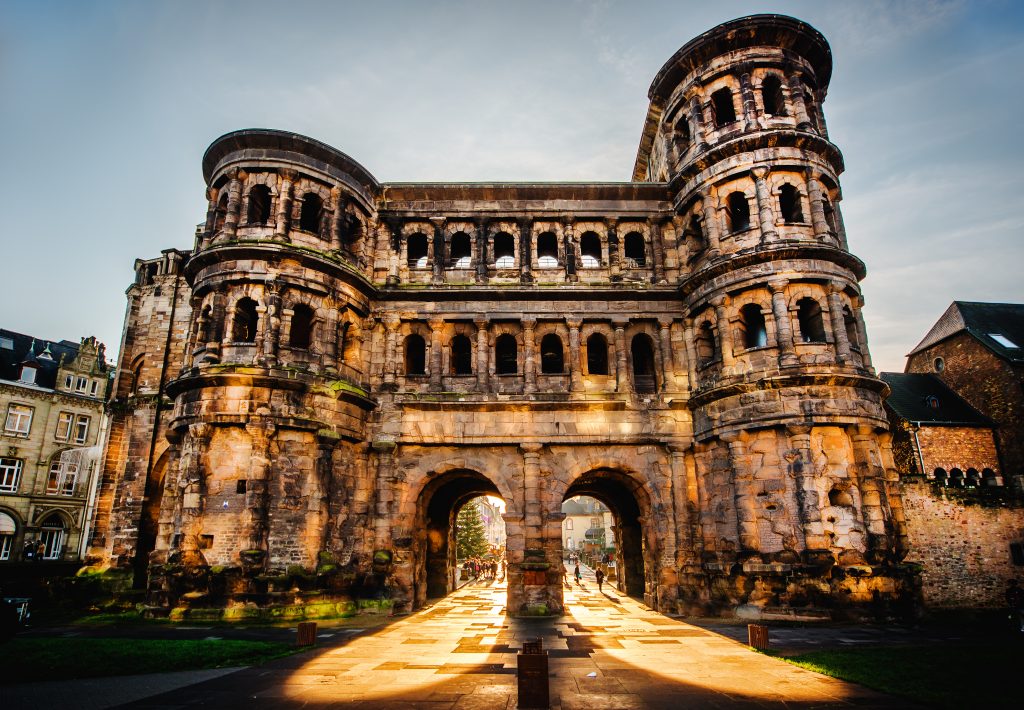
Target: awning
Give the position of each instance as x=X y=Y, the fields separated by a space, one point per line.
x=7 y=524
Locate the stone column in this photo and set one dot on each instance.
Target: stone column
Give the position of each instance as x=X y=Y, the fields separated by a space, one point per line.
x=211 y=218
x=765 y=215
x=532 y=508
x=818 y=221
x=743 y=492
x=396 y=248
x=385 y=449
x=575 y=376
x=569 y=248
x=796 y=96
x=871 y=477
x=272 y=339
x=336 y=218
x=684 y=511
x=256 y=516
x=783 y=325
x=329 y=357
x=525 y=251
x=712 y=225
x=436 y=326
x=391 y=324
x=725 y=340
x=747 y=94
x=840 y=226
x=697 y=120
x=835 y=312
x=481 y=251
x=326 y=441
x=440 y=256
x=667 y=361
x=862 y=333
x=234 y=203
x=170 y=503
x=801 y=468
x=658 y=252
x=284 y=205
x=621 y=374
x=192 y=480
x=529 y=355
x=614 y=252
x=691 y=352
x=482 y=349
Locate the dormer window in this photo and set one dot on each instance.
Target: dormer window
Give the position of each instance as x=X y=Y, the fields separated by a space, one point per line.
x=28 y=374
x=1003 y=340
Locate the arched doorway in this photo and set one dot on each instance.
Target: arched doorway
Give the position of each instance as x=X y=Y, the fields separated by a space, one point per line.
x=53 y=533
x=627 y=501
x=438 y=506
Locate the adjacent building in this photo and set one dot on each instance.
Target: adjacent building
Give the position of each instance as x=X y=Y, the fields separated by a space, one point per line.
x=52 y=400
x=587 y=522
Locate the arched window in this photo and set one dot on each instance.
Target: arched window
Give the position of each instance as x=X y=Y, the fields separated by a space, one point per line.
x=830 y=214
x=682 y=133
x=590 y=250
x=597 y=355
x=504 y=250
x=811 y=103
x=243 y=329
x=956 y=478
x=771 y=96
x=52 y=535
x=850 y=324
x=301 y=333
x=552 y=356
x=754 y=333
x=739 y=212
x=460 y=253
x=643 y=364
x=973 y=477
x=695 y=231
x=462 y=356
x=705 y=341
x=812 y=325
x=416 y=249
x=635 y=250
x=415 y=355
x=547 y=250
x=312 y=209
x=724 y=109
x=8 y=528
x=940 y=475
x=221 y=213
x=506 y=361
x=259 y=205
x=789 y=204
x=344 y=340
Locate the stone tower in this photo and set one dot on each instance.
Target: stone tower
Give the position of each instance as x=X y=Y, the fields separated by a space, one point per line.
x=363 y=358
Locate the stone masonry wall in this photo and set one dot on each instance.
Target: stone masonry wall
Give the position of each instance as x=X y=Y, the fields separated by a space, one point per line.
x=958 y=447
x=965 y=549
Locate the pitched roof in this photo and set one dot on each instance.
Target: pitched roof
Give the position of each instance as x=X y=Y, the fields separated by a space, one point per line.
x=16 y=348
x=997 y=326
x=924 y=398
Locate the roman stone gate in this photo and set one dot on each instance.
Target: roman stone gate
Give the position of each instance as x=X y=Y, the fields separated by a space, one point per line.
x=306 y=396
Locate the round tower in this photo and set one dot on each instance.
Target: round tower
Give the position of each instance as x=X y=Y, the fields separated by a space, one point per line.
x=790 y=445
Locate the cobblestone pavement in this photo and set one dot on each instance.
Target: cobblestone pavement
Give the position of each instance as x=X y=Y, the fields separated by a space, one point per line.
x=608 y=651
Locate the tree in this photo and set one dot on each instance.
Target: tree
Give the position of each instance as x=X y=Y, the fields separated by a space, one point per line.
x=470 y=536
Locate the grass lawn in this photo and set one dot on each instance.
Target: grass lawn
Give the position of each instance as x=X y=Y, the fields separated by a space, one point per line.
x=952 y=675
x=28 y=659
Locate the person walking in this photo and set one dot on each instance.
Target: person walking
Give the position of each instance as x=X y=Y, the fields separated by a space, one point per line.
x=600 y=578
x=576 y=573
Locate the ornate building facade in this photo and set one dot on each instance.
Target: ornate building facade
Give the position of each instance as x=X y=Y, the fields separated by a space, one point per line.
x=338 y=364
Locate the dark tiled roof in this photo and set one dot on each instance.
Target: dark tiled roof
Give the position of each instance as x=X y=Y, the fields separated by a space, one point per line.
x=914 y=394
x=983 y=321
x=11 y=358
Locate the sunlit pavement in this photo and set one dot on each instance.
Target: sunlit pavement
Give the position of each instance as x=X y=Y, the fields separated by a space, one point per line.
x=608 y=651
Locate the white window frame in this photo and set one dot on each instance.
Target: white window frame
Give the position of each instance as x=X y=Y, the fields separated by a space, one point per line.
x=28 y=375
x=6 y=545
x=81 y=429
x=65 y=421
x=69 y=382
x=19 y=419
x=94 y=387
x=62 y=479
x=10 y=474
x=53 y=542
x=80 y=385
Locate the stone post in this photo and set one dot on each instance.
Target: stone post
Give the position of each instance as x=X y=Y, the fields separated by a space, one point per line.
x=329 y=357
x=569 y=247
x=691 y=352
x=529 y=355
x=862 y=333
x=525 y=251
x=835 y=312
x=336 y=218
x=871 y=475
x=614 y=252
x=801 y=467
x=385 y=449
x=192 y=479
x=170 y=502
x=684 y=511
x=667 y=361
x=783 y=325
x=211 y=218
x=272 y=340
x=436 y=326
x=391 y=324
x=840 y=226
x=743 y=492
x=532 y=508
x=575 y=376
x=481 y=251
x=440 y=259
x=326 y=441
x=284 y=204
x=818 y=221
x=712 y=225
x=234 y=203
x=256 y=516
x=796 y=95
x=725 y=339
x=658 y=252
x=621 y=374
x=765 y=215
x=747 y=94
x=396 y=249
x=697 y=119
x=482 y=348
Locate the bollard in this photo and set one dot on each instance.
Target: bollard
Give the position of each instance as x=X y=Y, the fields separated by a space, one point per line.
x=757 y=636
x=307 y=634
x=532 y=674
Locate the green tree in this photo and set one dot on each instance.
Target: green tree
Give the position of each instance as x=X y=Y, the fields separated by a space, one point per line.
x=470 y=536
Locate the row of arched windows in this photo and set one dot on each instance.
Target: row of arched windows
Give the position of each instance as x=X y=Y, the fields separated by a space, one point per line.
x=246 y=318
x=972 y=478
x=311 y=210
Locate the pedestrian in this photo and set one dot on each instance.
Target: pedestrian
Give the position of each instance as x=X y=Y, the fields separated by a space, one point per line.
x=576 y=574
x=600 y=578
x=1015 y=600
x=40 y=550
x=29 y=551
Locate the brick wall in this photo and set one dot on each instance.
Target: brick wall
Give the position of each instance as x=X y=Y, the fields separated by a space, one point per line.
x=965 y=548
x=957 y=447
x=989 y=383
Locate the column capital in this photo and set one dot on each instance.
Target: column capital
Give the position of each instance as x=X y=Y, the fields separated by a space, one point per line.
x=200 y=431
x=529 y=322
x=835 y=286
x=798 y=429
x=482 y=322
x=760 y=172
x=666 y=321
x=778 y=286
x=435 y=322
x=438 y=222
x=620 y=322
x=391 y=321
x=574 y=323
x=531 y=447
x=288 y=174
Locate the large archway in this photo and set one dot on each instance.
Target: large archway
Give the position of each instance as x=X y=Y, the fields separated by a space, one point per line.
x=437 y=508
x=627 y=501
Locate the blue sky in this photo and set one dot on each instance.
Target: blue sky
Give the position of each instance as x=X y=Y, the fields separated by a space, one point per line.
x=107 y=108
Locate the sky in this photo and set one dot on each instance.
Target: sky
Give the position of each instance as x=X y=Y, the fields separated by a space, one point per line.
x=106 y=109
